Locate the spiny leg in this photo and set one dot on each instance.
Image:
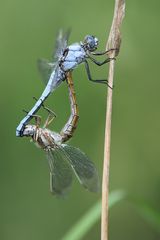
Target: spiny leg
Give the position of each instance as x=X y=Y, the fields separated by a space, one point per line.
x=36 y=117
x=46 y=108
x=37 y=123
x=51 y=115
x=107 y=60
x=104 y=81
x=105 y=52
x=48 y=120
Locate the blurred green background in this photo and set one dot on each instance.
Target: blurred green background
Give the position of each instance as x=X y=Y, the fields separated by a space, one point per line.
x=27 y=32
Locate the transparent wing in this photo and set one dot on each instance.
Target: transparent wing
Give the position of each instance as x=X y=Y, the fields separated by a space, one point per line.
x=60 y=172
x=83 y=167
x=46 y=68
x=61 y=44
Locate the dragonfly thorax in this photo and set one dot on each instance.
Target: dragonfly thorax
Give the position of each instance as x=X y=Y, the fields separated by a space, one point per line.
x=44 y=139
x=90 y=43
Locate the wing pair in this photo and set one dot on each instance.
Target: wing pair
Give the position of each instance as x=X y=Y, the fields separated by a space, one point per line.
x=44 y=66
x=63 y=161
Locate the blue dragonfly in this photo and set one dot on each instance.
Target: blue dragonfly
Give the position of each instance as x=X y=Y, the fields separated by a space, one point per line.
x=65 y=59
x=64 y=159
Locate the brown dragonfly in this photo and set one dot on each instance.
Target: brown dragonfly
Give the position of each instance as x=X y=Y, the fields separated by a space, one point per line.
x=64 y=159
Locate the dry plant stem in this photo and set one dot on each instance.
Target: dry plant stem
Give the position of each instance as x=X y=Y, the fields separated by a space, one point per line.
x=113 y=42
x=105 y=180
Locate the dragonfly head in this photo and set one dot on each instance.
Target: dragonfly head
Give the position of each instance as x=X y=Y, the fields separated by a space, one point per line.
x=29 y=130
x=90 y=43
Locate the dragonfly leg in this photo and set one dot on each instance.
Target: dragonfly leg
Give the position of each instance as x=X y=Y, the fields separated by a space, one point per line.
x=46 y=108
x=48 y=120
x=105 y=52
x=36 y=117
x=104 y=81
x=51 y=114
x=25 y=111
x=49 y=111
x=38 y=123
x=101 y=63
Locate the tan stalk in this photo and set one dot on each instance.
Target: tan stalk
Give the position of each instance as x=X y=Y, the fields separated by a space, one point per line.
x=113 y=42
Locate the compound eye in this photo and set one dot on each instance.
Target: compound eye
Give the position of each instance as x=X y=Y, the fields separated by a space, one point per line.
x=96 y=41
